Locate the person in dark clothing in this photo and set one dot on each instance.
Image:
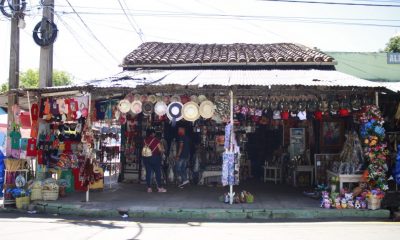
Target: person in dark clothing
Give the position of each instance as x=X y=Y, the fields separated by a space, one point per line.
x=183 y=155
x=153 y=163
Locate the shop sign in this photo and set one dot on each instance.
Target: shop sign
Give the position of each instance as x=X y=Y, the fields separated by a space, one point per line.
x=393 y=58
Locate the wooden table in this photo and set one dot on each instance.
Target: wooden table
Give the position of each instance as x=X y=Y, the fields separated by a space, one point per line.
x=344 y=178
x=303 y=168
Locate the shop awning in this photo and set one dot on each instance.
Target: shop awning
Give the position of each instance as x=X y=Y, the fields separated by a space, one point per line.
x=200 y=78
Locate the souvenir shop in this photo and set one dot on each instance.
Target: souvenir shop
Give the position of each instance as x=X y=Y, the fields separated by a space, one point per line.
x=284 y=134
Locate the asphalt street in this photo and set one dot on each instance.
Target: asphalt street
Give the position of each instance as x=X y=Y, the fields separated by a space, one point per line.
x=52 y=227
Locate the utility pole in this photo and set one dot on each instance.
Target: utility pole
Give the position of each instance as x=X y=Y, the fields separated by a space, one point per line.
x=13 y=77
x=46 y=52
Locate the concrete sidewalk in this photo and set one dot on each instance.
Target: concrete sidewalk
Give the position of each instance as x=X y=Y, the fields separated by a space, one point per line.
x=200 y=202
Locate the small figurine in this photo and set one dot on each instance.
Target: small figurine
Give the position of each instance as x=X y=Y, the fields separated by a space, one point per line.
x=357 y=204
x=344 y=203
x=337 y=203
x=363 y=204
x=350 y=204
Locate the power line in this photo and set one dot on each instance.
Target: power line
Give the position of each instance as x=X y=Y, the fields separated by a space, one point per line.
x=92 y=33
x=130 y=22
x=335 y=3
x=258 y=18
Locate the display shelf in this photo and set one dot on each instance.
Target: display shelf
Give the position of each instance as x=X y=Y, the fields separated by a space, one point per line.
x=322 y=163
x=344 y=178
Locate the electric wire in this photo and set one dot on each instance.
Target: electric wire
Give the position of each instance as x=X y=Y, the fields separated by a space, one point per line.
x=257 y=18
x=92 y=33
x=130 y=22
x=334 y=3
x=135 y=22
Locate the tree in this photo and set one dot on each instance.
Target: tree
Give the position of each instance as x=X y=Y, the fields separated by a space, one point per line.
x=30 y=79
x=393 y=45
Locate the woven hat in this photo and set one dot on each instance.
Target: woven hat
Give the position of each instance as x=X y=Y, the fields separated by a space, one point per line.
x=136 y=107
x=124 y=106
x=174 y=111
x=194 y=98
x=136 y=97
x=160 y=108
x=147 y=108
x=207 y=109
x=185 y=99
x=175 y=98
x=152 y=99
x=191 y=111
x=202 y=98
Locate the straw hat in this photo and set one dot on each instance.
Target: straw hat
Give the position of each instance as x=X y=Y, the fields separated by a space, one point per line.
x=194 y=98
x=185 y=99
x=207 y=109
x=124 y=106
x=136 y=97
x=166 y=99
x=152 y=99
x=191 y=111
x=136 y=107
x=202 y=98
x=160 y=108
x=147 y=108
x=174 y=111
x=175 y=98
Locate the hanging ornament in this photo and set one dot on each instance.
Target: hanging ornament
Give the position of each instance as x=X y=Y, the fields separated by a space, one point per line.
x=45 y=33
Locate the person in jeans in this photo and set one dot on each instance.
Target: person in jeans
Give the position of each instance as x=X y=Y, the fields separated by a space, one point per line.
x=182 y=156
x=153 y=163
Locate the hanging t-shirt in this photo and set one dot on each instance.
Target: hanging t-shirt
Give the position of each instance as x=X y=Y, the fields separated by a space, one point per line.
x=54 y=107
x=72 y=105
x=34 y=111
x=62 y=106
x=31 y=151
x=23 y=144
x=2 y=138
x=46 y=110
x=40 y=156
x=101 y=108
x=15 y=137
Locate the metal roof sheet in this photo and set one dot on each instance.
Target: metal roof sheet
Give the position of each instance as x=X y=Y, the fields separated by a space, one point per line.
x=329 y=78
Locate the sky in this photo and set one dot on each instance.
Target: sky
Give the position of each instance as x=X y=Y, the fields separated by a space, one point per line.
x=92 y=42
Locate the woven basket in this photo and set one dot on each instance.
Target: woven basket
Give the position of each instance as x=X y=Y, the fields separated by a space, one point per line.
x=374 y=203
x=36 y=194
x=51 y=195
x=22 y=202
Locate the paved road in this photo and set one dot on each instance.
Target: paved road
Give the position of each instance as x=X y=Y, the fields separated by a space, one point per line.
x=57 y=228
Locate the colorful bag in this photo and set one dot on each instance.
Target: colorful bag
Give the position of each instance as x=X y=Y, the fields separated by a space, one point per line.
x=146 y=151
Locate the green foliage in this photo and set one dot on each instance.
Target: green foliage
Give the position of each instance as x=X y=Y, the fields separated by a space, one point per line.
x=393 y=45
x=30 y=79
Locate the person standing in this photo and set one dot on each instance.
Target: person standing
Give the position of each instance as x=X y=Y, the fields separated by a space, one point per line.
x=153 y=163
x=183 y=155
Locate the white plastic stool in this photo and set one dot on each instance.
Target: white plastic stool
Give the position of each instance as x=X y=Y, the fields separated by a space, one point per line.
x=272 y=173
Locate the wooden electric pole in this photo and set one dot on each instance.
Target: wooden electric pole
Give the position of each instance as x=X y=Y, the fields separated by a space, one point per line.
x=13 y=77
x=46 y=52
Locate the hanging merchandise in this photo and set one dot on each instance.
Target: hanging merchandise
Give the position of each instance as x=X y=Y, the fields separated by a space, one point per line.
x=228 y=168
x=45 y=33
x=191 y=111
x=207 y=109
x=397 y=168
x=174 y=112
x=2 y=167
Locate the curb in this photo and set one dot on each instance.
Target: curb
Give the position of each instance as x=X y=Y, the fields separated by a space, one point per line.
x=209 y=214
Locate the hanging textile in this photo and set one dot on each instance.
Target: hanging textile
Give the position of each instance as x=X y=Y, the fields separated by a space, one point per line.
x=397 y=168
x=228 y=168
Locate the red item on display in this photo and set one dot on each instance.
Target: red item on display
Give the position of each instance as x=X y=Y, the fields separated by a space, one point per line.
x=34 y=130
x=285 y=115
x=31 y=150
x=40 y=156
x=35 y=112
x=318 y=115
x=344 y=112
x=78 y=180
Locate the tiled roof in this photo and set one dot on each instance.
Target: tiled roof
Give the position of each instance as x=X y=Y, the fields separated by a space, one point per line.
x=158 y=53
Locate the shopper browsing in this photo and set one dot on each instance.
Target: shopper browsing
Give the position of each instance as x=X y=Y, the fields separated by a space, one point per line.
x=182 y=156
x=151 y=153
